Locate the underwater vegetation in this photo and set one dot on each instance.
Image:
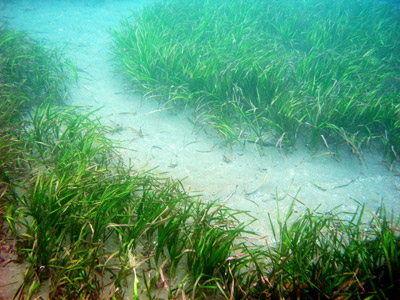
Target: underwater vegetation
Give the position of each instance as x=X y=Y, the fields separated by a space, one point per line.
x=93 y=228
x=327 y=71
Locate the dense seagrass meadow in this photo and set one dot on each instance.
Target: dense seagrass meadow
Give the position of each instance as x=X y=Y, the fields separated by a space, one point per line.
x=84 y=225
x=272 y=71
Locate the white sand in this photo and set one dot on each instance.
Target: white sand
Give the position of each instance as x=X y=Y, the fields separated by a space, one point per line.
x=250 y=180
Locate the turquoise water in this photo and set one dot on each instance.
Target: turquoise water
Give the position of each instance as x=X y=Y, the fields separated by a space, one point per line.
x=250 y=177
x=244 y=178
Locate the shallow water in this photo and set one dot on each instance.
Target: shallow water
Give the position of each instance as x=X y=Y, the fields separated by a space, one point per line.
x=246 y=178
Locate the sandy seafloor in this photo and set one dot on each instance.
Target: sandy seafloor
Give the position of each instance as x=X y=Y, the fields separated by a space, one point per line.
x=243 y=178
x=170 y=142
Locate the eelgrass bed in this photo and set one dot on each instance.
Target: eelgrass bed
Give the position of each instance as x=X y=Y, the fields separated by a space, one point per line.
x=328 y=71
x=93 y=228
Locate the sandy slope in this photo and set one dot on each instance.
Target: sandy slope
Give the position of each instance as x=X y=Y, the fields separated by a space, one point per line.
x=248 y=178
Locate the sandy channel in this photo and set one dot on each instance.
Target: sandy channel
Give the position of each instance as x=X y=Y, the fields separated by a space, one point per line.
x=248 y=178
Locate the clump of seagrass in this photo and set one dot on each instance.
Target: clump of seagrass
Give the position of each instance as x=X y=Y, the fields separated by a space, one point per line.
x=324 y=70
x=321 y=256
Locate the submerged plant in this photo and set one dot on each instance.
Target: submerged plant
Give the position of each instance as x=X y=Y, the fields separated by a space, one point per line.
x=315 y=68
x=79 y=212
x=336 y=255
x=84 y=221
